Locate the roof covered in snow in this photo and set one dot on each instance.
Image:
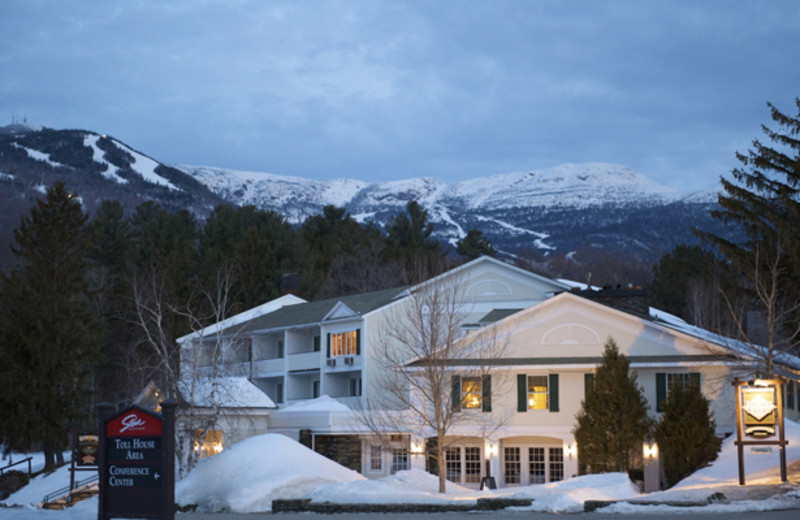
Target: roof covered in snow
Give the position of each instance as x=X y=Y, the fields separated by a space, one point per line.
x=225 y=392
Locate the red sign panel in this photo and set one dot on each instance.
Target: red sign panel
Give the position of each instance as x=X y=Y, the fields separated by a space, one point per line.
x=133 y=423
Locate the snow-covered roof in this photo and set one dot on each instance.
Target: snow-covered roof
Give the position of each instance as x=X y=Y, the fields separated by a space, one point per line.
x=225 y=392
x=244 y=316
x=322 y=403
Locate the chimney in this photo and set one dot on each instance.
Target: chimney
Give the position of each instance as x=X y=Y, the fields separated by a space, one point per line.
x=634 y=300
x=290 y=283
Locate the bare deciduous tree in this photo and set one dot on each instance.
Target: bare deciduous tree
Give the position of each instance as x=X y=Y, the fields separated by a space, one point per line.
x=194 y=371
x=434 y=378
x=772 y=329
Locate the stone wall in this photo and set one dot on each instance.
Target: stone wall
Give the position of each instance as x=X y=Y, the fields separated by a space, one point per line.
x=344 y=449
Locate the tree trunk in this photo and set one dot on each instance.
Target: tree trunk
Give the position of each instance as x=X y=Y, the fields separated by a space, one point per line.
x=441 y=462
x=49 y=458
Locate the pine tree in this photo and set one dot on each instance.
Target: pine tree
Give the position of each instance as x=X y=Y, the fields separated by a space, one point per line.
x=475 y=244
x=47 y=329
x=613 y=420
x=685 y=433
x=762 y=197
x=410 y=240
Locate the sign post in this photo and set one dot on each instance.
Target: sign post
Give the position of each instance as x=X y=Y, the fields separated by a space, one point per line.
x=759 y=414
x=137 y=463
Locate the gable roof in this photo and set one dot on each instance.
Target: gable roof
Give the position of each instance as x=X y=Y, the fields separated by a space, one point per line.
x=456 y=271
x=317 y=311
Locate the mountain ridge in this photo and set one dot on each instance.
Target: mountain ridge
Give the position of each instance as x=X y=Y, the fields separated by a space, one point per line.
x=556 y=211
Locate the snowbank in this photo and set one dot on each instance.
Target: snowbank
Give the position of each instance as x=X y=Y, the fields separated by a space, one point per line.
x=413 y=485
x=247 y=477
x=568 y=496
x=760 y=469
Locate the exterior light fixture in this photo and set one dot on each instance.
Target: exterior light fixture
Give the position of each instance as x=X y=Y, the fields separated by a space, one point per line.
x=570 y=450
x=650 y=451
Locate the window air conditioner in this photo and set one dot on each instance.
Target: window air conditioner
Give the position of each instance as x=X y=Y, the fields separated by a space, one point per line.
x=331 y=362
x=348 y=361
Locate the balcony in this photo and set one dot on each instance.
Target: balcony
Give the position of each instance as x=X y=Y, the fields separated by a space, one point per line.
x=264 y=367
x=304 y=361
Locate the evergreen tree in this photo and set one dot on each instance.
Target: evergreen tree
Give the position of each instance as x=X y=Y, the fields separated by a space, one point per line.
x=685 y=433
x=163 y=267
x=410 y=240
x=687 y=283
x=111 y=287
x=613 y=421
x=328 y=239
x=762 y=197
x=474 y=245
x=47 y=330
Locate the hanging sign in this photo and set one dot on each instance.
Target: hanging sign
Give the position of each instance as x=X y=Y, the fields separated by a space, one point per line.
x=759 y=419
x=759 y=405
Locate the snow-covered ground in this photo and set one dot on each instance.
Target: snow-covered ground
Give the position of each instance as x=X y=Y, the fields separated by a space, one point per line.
x=248 y=476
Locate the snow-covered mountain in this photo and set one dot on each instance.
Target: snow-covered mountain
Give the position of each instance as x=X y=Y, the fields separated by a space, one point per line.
x=569 y=207
x=573 y=207
x=566 y=186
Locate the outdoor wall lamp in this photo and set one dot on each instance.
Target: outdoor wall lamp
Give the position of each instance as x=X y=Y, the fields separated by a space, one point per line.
x=650 y=450
x=490 y=450
x=570 y=450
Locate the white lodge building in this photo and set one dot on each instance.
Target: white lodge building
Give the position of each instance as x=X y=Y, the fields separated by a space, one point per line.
x=317 y=363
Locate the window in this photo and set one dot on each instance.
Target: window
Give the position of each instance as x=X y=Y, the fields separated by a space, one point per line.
x=344 y=343
x=676 y=379
x=471 y=392
x=315 y=389
x=207 y=442
x=536 y=466
x=537 y=392
x=556 y=464
x=666 y=382
x=452 y=464
x=317 y=343
x=472 y=464
x=511 y=463
x=279 y=349
x=355 y=386
x=278 y=392
x=400 y=460
x=375 y=458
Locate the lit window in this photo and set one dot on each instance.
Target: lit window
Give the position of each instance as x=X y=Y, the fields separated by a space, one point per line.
x=537 y=392
x=471 y=392
x=344 y=343
x=207 y=442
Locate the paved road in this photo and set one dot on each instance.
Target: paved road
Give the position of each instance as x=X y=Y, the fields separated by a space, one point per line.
x=769 y=515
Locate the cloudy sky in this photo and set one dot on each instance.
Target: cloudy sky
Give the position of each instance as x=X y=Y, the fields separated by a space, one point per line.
x=386 y=90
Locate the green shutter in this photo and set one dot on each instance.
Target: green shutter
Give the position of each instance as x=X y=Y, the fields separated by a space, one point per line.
x=522 y=393
x=588 y=383
x=329 y=345
x=456 y=393
x=694 y=378
x=553 y=391
x=661 y=390
x=486 y=398
x=358 y=342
